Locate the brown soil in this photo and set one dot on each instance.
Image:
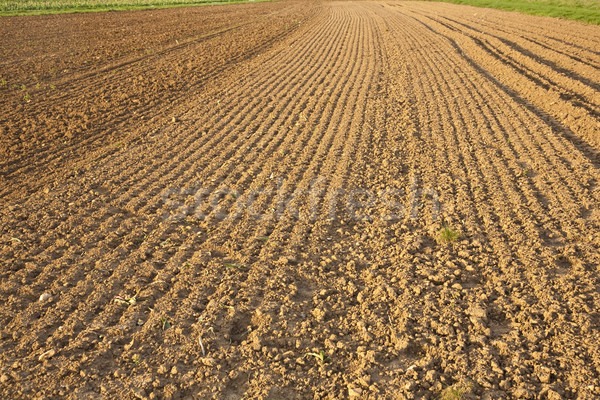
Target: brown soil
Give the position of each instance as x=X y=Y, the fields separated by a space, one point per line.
x=482 y=121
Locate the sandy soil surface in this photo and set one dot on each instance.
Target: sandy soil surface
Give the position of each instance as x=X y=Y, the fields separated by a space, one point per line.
x=300 y=199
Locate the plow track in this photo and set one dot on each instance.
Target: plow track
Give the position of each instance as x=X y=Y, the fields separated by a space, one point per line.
x=283 y=194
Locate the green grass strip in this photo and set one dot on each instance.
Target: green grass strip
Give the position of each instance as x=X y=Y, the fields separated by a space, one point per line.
x=39 y=7
x=578 y=10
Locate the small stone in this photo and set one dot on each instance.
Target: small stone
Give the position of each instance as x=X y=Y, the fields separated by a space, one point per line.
x=256 y=343
x=162 y=370
x=478 y=312
x=174 y=370
x=119 y=374
x=365 y=380
x=544 y=375
x=354 y=392
x=46 y=355
x=4 y=378
x=209 y=362
x=552 y=395
x=174 y=119
x=139 y=393
x=431 y=376
x=283 y=260
x=45 y=297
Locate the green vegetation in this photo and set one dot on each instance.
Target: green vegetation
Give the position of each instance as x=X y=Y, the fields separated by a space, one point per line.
x=126 y=301
x=448 y=235
x=234 y=266
x=320 y=356
x=165 y=323
x=579 y=10
x=455 y=392
x=35 y=7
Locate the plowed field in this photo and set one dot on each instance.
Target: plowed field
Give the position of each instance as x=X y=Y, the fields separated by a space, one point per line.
x=300 y=199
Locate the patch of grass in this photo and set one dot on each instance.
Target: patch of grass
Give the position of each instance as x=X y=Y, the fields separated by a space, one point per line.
x=234 y=266
x=40 y=7
x=578 y=10
x=454 y=392
x=448 y=234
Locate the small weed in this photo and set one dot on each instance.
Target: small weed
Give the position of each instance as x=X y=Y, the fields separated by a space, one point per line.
x=454 y=392
x=234 y=266
x=165 y=323
x=524 y=172
x=2 y=82
x=320 y=356
x=448 y=235
x=263 y=239
x=23 y=88
x=52 y=87
x=137 y=360
x=27 y=97
x=126 y=301
x=228 y=307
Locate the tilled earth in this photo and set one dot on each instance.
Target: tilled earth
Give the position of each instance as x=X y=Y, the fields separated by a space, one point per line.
x=300 y=199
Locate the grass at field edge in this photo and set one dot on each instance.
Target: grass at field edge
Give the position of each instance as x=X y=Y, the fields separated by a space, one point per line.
x=556 y=9
x=76 y=10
